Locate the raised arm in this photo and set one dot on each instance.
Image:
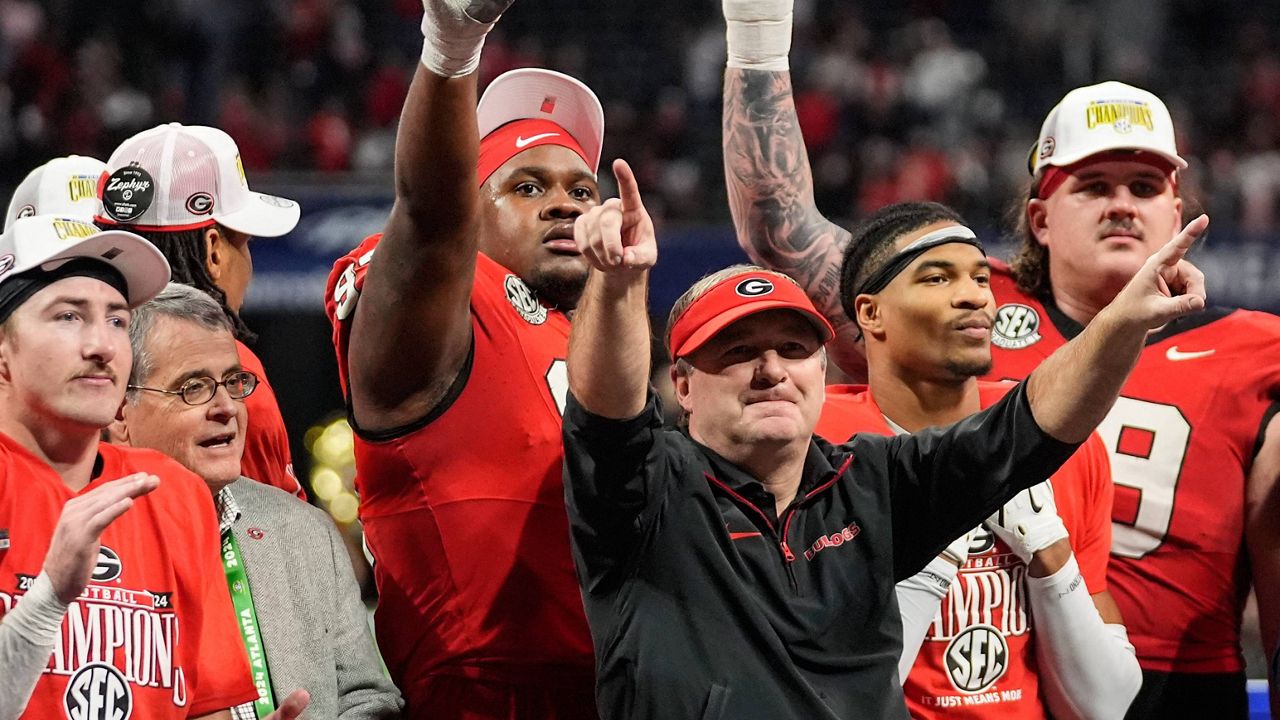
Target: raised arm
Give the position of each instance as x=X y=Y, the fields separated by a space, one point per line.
x=609 y=343
x=1074 y=388
x=411 y=331
x=766 y=168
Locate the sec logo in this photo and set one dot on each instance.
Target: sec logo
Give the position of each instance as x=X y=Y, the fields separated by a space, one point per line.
x=524 y=301
x=1017 y=326
x=98 y=691
x=976 y=658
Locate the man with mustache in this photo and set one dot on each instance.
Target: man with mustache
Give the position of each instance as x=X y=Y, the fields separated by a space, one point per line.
x=134 y=620
x=1194 y=447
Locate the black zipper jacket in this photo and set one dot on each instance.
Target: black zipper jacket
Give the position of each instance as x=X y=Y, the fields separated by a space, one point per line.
x=705 y=604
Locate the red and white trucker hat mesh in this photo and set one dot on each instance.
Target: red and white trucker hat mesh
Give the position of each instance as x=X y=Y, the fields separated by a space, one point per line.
x=183 y=177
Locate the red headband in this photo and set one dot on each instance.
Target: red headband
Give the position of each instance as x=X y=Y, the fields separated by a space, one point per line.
x=737 y=297
x=1054 y=176
x=515 y=137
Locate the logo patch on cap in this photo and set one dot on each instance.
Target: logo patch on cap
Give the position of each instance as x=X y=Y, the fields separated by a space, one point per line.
x=27 y=211
x=1121 y=115
x=200 y=203
x=82 y=187
x=128 y=194
x=68 y=229
x=1047 y=147
x=1017 y=326
x=6 y=263
x=754 y=287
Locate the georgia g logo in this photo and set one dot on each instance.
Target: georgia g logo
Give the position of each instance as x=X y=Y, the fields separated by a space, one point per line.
x=754 y=287
x=98 y=691
x=109 y=566
x=200 y=203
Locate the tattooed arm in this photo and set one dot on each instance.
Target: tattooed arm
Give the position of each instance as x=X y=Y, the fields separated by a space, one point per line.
x=766 y=169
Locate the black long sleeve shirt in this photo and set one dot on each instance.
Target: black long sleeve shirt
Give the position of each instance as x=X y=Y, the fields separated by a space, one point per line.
x=705 y=603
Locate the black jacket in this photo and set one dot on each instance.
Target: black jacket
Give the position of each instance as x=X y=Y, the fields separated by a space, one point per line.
x=703 y=604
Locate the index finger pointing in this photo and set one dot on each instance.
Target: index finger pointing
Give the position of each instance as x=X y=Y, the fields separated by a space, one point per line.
x=1174 y=251
x=628 y=188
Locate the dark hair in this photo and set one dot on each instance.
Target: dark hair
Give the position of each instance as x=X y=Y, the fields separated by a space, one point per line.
x=873 y=238
x=187 y=255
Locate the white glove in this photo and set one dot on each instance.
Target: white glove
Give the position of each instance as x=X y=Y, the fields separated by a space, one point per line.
x=453 y=33
x=1029 y=522
x=758 y=33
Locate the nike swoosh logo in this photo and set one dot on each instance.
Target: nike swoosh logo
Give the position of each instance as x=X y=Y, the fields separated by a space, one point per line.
x=743 y=535
x=1174 y=354
x=524 y=142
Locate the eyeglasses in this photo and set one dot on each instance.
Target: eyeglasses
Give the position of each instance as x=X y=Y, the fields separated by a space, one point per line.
x=200 y=390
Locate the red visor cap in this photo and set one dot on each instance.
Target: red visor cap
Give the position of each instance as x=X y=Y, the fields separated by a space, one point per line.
x=735 y=298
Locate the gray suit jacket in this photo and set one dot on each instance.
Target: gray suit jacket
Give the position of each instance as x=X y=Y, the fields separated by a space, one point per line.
x=314 y=626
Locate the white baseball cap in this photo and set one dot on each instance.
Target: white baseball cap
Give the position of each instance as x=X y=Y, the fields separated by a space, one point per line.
x=48 y=241
x=1109 y=116
x=539 y=94
x=65 y=186
x=183 y=177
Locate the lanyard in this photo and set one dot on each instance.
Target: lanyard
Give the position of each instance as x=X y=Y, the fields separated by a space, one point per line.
x=247 y=620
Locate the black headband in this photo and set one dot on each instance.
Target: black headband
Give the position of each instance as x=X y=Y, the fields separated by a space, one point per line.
x=18 y=289
x=896 y=264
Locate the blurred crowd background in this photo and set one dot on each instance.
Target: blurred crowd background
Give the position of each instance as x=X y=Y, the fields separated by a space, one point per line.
x=899 y=100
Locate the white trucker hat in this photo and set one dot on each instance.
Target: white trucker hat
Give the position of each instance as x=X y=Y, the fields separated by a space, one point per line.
x=66 y=186
x=48 y=241
x=184 y=177
x=539 y=94
x=1110 y=116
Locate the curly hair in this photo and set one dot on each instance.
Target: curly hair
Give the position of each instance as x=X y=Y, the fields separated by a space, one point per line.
x=1029 y=264
x=188 y=262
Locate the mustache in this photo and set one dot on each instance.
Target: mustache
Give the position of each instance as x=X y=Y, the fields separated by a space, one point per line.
x=1124 y=225
x=97 y=371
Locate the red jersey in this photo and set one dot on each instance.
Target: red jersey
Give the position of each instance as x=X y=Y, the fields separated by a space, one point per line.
x=978 y=658
x=153 y=635
x=1181 y=439
x=464 y=513
x=266 y=441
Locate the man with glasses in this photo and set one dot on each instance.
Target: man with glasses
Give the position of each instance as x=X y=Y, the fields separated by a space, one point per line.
x=291 y=581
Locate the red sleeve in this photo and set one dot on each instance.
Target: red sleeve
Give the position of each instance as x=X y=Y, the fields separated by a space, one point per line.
x=1091 y=527
x=342 y=292
x=266 y=444
x=218 y=674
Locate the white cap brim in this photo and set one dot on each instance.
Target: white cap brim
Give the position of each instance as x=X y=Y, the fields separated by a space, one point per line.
x=263 y=216
x=536 y=93
x=142 y=265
